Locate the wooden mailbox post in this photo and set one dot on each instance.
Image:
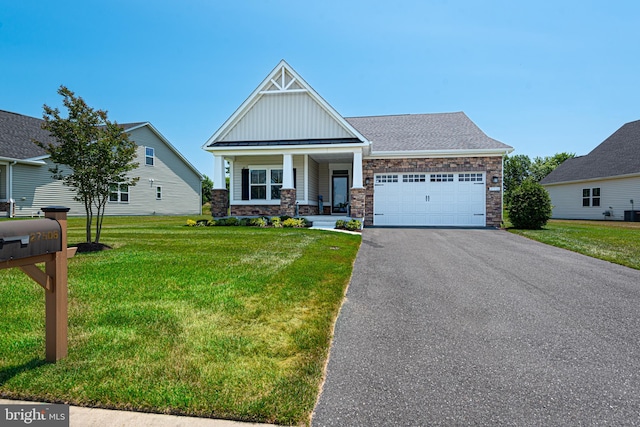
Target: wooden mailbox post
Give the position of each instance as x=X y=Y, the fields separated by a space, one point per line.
x=26 y=243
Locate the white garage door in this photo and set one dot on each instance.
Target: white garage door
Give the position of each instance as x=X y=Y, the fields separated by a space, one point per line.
x=448 y=199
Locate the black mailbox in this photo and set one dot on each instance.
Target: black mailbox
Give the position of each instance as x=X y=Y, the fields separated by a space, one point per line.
x=22 y=239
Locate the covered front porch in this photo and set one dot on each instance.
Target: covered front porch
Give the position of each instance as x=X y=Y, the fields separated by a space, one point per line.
x=302 y=182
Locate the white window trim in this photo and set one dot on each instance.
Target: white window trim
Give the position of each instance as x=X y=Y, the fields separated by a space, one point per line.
x=153 y=156
x=268 y=169
x=120 y=193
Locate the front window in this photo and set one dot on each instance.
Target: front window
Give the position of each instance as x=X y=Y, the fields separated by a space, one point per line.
x=119 y=193
x=262 y=188
x=158 y=193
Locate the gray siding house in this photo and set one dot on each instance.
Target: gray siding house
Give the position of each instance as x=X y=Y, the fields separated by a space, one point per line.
x=168 y=185
x=290 y=152
x=602 y=184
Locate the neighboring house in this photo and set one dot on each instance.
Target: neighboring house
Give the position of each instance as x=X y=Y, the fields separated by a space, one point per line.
x=602 y=184
x=287 y=147
x=168 y=185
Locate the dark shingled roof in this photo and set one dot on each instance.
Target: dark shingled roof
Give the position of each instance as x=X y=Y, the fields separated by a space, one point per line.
x=17 y=133
x=424 y=132
x=617 y=155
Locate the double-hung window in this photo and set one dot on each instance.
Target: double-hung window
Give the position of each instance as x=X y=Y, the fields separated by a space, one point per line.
x=149 y=156
x=265 y=184
x=119 y=193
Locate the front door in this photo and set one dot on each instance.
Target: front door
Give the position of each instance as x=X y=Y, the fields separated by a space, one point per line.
x=340 y=195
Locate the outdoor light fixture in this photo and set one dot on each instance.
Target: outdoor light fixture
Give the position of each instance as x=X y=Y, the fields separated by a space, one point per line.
x=495 y=179
x=366 y=181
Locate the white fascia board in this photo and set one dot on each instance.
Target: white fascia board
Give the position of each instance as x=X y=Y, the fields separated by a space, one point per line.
x=438 y=153
x=35 y=161
x=279 y=149
x=590 y=180
x=168 y=144
x=259 y=92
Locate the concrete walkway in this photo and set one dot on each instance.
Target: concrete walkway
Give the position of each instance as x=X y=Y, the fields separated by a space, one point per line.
x=93 y=417
x=482 y=327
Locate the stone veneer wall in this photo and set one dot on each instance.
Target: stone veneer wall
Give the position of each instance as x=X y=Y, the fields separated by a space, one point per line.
x=270 y=210
x=219 y=203
x=288 y=201
x=491 y=165
x=358 y=202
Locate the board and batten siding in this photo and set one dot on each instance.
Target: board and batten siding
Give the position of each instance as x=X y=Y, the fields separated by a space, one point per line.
x=615 y=195
x=286 y=116
x=34 y=188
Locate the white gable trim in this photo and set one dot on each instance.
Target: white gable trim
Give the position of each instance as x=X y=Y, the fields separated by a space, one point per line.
x=592 y=180
x=276 y=83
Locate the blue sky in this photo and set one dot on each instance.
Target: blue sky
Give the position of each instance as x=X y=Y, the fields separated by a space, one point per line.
x=543 y=76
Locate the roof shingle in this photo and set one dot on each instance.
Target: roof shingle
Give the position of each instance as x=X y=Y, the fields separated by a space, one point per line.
x=617 y=155
x=424 y=132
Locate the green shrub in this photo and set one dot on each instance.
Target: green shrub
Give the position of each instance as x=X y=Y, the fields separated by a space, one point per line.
x=244 y=222
x=341 y=224
x=283 y=218
x=211 y=223
x=276 y=221
x=293 y=223
x=258 y=222
x=191 y=223
x=232 y=221
x=353 y=225
x=529 y=206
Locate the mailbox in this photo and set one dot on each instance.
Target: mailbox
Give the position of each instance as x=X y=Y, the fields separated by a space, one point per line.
x=22 y=239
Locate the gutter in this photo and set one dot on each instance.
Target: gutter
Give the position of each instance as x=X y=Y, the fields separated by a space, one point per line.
x=439 y=153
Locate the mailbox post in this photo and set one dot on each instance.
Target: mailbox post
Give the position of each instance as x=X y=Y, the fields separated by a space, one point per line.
x=56 y=300
x=23 y=244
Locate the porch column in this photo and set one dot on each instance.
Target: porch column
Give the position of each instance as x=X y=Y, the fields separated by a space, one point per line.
x=357 y=193
x=219 y=193
x=219 y=182
x=357 y=169
x=288 y=191
x=287 y=171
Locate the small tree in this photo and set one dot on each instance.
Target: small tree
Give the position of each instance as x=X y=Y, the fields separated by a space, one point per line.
x=96 y=151
x=207 y=186
x=529 y=206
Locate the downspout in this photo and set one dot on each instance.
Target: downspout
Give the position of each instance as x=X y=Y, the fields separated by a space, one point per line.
x=10 y=192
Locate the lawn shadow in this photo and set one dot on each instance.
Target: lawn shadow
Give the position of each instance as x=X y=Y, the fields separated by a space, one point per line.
x=7 y=373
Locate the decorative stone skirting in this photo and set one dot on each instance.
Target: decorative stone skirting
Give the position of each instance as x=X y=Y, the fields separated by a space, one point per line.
x=491 y=165
x=219 y=203
x=357 y=201
x=307 y=210
x=255 y=210
x=288 y=201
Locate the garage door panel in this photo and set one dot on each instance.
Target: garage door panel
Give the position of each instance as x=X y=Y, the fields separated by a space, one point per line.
x=446 y=199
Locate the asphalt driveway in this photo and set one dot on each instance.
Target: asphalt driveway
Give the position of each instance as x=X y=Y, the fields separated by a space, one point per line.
x=458 y=327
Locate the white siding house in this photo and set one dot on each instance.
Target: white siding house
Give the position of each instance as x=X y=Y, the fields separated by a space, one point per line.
x=168 y=184
x=601 y=185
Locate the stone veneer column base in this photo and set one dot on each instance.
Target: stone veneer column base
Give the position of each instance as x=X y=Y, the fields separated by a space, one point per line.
x=288 y=202
x=357 y=202
x=219 y=203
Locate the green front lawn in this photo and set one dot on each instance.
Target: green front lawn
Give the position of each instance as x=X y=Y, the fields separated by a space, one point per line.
x=224 y=322
x=613 y=241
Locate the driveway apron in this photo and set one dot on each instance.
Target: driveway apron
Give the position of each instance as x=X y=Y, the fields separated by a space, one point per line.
x=459 y=327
